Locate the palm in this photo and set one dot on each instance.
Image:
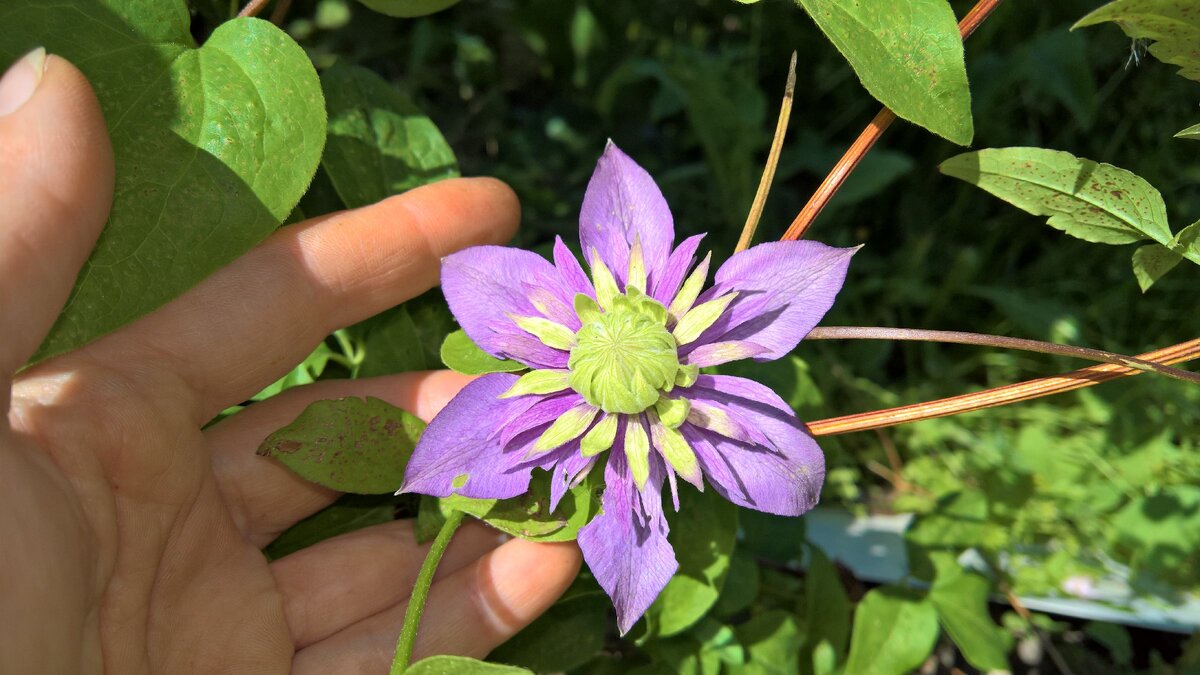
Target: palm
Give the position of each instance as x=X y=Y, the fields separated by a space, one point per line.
x=132 y=534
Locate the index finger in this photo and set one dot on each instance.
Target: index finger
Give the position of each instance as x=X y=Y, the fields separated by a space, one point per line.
x=252 y=321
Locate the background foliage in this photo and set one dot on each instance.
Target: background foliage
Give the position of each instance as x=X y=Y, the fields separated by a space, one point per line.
x=1044 y=494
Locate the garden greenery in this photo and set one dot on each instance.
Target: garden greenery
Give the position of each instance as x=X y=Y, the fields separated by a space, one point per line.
x=225 y=128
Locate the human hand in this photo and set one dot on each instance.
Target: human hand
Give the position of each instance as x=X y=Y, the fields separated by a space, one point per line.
x=129 y=536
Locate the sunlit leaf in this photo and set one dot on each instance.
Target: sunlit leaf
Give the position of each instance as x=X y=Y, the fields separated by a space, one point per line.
x=908 y=54
x=380 y=144
x=1173 y=25
x=527 y=516
x=1191 y=133
x=894 y=630
x=349 y=444
x=961 y=600
x=1152 y=261
x=1089 y=200
x=770 y=641
x=462 y=355
x=828 y=608
x=213 y=145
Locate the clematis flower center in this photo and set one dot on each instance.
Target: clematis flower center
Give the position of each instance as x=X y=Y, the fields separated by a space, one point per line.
x=624 y=357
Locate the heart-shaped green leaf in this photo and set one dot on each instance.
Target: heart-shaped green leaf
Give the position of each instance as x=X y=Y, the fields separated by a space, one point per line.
x=349 y=444
x=380 y=143
x=908 y=54
x=213 y=145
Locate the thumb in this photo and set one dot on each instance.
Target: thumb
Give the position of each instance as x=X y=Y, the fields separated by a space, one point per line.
x=56 y=186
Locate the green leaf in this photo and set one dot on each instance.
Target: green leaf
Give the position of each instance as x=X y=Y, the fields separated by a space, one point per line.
x=1161 y=533
x=350 y=513
x=407 y=9
x=460 y=665
x=379 y=144
x=770 y=640
x=741 y=585
x=961 y=600
x=1190 y=133
x=1089 y=200
x=703 y=534
x=568 y=635
x=462 y=355
x=1173 y=25
x=894 y=630
x=828 y=609
x=1152 y=261
x=529 y=516
x=349 y=444
x=213 y=145
x=404 y=338
x=908 y=54
x=1114 y=638
x=960 y=521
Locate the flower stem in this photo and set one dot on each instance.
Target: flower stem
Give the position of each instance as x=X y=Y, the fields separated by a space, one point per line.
x=998 y=396
x=862 y=145
x=768 y=174
x=416 y=602
x=958 y=337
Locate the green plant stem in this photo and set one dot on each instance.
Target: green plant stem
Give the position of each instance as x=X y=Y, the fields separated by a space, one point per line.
x=980 y=339
x=416 y=602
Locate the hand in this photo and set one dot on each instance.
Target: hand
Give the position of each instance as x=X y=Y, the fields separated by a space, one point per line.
x=129 y=537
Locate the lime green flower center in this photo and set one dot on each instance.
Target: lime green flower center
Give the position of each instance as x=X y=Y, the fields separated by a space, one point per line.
x=625 y=357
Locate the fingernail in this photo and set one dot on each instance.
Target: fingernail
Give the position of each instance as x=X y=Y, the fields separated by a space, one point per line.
x=21 y=80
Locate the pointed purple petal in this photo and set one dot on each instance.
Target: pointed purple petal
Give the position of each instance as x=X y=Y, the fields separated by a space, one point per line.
x=784 y=287
x=782 y=476
x=623 y=204
x=568 y=473
x=484 y=285
x=540 y=414
x=573 y=276
x=462 y=441
x=665 y=284
x=629 y=555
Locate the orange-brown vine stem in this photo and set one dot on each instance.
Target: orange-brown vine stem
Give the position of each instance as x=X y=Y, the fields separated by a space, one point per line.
x=862 y=145
x=989 y=398
x=253 y=7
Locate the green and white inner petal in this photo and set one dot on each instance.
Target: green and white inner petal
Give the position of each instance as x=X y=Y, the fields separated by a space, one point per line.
x=624 y=361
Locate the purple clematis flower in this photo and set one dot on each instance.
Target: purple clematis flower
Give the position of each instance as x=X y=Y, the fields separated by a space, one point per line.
x=616 y=377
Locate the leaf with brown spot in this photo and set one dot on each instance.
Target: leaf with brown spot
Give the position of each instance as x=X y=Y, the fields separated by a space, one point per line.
x=350 y=444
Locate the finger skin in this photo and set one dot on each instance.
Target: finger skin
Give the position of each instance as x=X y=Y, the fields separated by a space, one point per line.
x=56 y=185
x=265 y=497
x=340 y=581
x=305 y=281
x=470 y=612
